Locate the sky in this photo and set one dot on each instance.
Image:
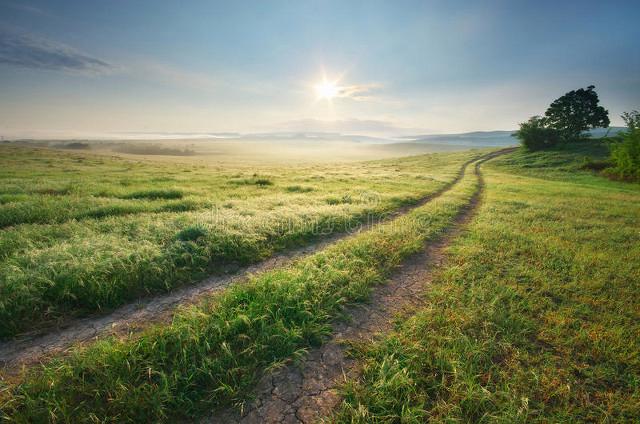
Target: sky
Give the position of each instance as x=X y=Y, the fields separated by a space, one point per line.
x=89 y=67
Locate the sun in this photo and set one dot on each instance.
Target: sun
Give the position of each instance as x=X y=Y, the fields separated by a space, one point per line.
x=326 y=90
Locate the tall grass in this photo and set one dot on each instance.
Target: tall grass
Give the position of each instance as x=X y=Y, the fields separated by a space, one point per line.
x=213 y=353
x=77 y=267
x=534 y=318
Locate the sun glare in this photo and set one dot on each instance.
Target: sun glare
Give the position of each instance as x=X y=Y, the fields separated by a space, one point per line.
x=326 y=90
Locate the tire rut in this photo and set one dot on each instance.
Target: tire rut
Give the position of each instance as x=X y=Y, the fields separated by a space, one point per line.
x=306 y=393
x=25 y=351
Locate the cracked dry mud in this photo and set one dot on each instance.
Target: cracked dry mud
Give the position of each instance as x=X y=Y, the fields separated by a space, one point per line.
x=306 y=392
x=30 y=349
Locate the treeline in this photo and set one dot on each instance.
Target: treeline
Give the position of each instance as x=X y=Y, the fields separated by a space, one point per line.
x=569 y=118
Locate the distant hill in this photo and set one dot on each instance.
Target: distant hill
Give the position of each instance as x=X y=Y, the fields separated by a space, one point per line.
x=601 y=132
x=476 y=138
x=490 y=138
x=458 y=141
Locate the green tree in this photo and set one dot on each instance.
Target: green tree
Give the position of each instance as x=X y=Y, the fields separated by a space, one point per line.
x=575 y=112
x=631 y=119
x=625 y=155
x=535 y=135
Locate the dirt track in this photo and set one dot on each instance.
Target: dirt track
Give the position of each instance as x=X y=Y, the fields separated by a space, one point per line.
x=31 y=349
x=306 y=393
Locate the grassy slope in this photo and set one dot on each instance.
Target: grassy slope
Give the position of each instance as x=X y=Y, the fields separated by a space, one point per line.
x=213 y=353
x=535 y=318
x=61 y=257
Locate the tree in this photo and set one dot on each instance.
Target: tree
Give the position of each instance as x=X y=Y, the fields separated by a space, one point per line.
x=535 y=135
x=626 y=154
x=631 y=119
x=575 y=112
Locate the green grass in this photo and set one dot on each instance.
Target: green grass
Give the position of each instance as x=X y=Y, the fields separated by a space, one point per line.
x=563 y=161
x=536 y=315
x=86 y=233
x=212 y=354
x=155 y=194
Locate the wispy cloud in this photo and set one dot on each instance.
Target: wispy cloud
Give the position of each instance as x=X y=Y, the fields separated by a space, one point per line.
x=359 y=92
x=29 y=51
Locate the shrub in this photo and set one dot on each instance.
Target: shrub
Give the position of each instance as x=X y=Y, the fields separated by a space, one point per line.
x=534 y=135
x=595 y=165
x=626 y=156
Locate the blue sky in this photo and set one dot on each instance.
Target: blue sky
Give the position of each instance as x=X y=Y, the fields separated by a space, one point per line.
x=94 y=67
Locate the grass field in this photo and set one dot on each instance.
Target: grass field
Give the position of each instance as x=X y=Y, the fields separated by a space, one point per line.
x=535 y=318
x=213 y=353
x=85 y=233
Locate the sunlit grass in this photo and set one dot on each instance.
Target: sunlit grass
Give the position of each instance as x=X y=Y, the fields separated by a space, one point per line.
x=212 y=354
x=88 y=233
x=535 y=317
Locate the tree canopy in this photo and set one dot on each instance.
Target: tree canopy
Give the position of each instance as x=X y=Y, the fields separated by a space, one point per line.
x=575 y=112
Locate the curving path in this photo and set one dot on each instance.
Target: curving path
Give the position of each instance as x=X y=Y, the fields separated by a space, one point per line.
x=31 y=349
x=306 y=393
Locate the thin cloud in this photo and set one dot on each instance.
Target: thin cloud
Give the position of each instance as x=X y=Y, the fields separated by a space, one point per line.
x=28 y=51
x=360 y=93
